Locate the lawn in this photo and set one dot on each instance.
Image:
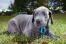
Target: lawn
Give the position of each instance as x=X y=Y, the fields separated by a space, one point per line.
x=59 y=28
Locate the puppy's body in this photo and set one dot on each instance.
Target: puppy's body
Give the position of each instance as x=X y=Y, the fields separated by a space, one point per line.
x=27 y=24
x=21 y=24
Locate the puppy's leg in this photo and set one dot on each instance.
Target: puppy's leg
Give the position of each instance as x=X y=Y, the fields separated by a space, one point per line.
x=51 y=34
x=12 y=27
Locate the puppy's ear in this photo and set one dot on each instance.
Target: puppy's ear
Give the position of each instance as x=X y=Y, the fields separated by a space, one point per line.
x=33 y=16
x=50 y=15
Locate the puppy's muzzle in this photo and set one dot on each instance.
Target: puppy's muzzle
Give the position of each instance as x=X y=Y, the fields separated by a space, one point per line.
x=38 y=22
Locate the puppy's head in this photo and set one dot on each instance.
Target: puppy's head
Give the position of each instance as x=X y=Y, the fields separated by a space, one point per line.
x=41 y=16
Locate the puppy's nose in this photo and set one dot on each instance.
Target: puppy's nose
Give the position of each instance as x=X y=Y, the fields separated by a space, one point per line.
x=37 y=21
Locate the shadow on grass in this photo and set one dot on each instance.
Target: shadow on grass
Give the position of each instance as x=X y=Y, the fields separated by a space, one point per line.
x=21 y=39
x=5 y=32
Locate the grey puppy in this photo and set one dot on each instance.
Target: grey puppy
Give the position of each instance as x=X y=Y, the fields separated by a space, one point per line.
x=27 y=24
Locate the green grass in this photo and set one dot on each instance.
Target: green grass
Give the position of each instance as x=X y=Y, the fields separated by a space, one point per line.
x=59 y=28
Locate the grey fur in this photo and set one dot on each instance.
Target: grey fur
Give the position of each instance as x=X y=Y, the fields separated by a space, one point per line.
x=20 y=24
x=27 y=24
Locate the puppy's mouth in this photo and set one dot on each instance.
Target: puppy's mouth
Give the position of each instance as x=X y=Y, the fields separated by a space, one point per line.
x=42 y=29
x=38 y=24
x=41 y=25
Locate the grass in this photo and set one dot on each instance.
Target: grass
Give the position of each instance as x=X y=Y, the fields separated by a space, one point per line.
x=59 y=28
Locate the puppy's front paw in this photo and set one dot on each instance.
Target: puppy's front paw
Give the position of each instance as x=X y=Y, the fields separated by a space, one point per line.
x=58 y=36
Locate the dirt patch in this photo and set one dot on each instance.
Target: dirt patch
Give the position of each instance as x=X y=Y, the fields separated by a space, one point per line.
x=44 y=42
x=34 y=42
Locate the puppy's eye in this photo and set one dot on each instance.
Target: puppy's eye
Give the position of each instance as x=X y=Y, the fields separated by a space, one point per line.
x=44 y=13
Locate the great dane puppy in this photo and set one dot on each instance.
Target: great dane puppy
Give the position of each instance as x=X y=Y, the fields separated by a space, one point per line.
x=27 y=24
